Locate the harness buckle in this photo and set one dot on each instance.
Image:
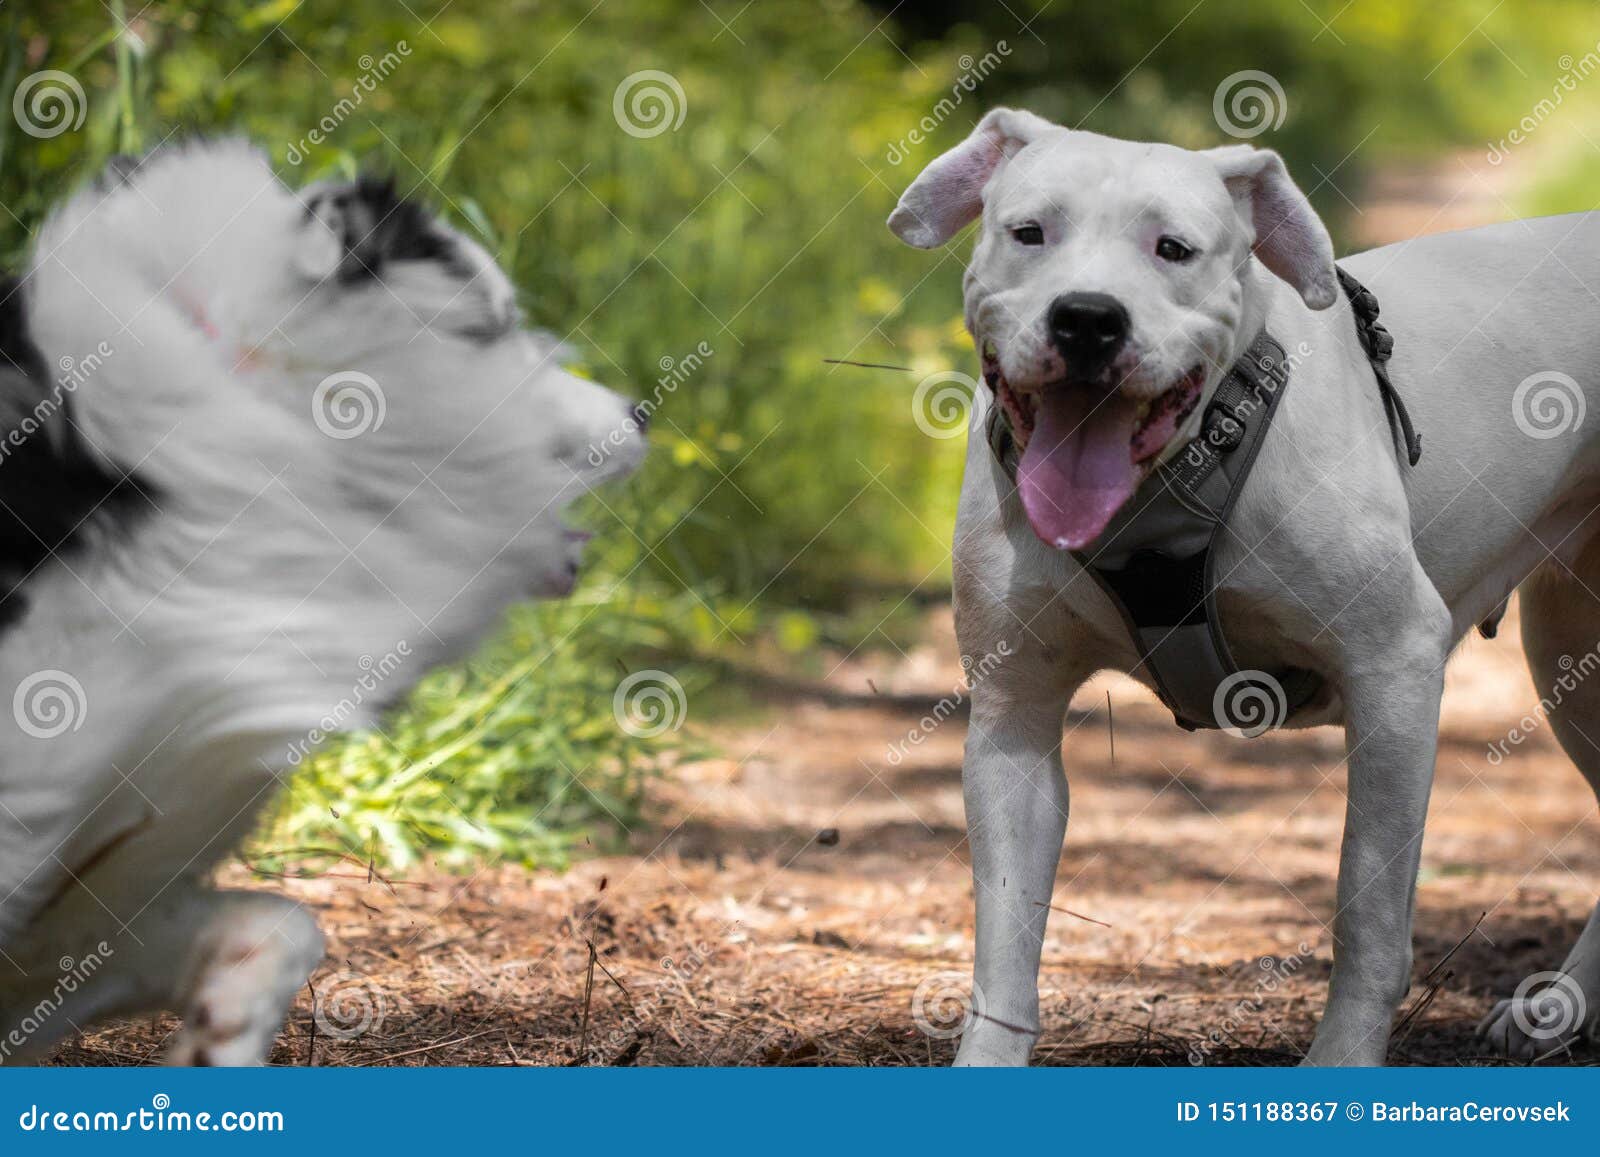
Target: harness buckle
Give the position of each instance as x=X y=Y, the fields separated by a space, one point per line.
x=1224 y=429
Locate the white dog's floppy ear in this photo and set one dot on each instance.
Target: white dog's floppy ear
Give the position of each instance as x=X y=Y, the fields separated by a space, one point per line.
x=1290 y=238
x=949 y=193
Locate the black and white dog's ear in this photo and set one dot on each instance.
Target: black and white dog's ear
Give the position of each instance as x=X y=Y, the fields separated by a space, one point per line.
x=949 y=193
x=57 y=493
x=1290 y=238
x=364 y=230
x=120 y=170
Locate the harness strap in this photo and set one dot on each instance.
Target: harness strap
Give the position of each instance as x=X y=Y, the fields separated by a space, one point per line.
x=1379 y=344
x=1156 y=559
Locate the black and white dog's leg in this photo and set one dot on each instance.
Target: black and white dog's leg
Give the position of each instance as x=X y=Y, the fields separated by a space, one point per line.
x=1016 y=803
x=1391 y=690
x=229 y=963
x=250 y=953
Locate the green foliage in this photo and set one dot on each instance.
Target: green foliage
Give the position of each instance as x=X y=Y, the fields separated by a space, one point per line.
x=516 y=755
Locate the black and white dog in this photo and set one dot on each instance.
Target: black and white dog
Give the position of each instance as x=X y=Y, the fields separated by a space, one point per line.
x=258 y=449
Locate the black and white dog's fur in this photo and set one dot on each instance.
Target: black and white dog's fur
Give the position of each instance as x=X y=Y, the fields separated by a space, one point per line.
x=265 y=458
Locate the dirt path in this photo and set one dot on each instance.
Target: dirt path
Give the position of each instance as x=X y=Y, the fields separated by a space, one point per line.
x=799 y=892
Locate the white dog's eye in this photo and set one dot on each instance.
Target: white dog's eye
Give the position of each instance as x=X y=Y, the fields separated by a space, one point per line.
x=1171 y=249
x=1028 y=234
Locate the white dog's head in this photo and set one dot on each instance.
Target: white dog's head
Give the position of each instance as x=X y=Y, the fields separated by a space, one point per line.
x=1111 y=289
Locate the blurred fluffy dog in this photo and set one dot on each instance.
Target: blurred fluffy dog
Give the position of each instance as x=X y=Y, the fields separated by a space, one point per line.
x=252 y=440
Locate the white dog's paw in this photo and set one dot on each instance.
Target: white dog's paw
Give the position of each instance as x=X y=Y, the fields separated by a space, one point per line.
x=1352 y=1036
x=1547 y=1014
x=991 y=1046
x=248 y=966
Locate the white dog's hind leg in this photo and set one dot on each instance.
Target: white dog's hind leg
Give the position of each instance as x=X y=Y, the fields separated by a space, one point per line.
x=1391 y=734
x=1559 y=617
x=1016 y=803
x=249 y=957
x=1553 y=1011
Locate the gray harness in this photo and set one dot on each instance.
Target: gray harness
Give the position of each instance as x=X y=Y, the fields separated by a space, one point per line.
x=1156 y=559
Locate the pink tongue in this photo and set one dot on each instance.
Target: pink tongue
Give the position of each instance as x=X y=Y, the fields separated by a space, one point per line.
x=1077 y=471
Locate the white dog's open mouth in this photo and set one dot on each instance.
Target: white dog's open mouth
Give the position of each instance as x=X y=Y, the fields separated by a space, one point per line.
x=1085 y=451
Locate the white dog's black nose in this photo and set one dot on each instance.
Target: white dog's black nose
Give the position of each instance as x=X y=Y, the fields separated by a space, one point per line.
x=1089 y=329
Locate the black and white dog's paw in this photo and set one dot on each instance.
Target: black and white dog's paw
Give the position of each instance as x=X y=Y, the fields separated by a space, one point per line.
x=363 y=230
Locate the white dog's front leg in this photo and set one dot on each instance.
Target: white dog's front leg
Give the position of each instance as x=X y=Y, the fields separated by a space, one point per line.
x=1016 y=801
x=1391 y=734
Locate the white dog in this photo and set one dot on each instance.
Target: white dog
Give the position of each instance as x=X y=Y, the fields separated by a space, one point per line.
x=254 y=440
x=1113 y=284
